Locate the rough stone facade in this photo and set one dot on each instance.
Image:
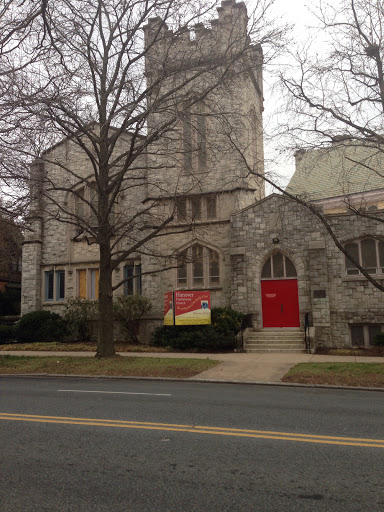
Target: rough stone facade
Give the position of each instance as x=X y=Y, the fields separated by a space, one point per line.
x=242 y=232
x=52 y=246
x=333 y=300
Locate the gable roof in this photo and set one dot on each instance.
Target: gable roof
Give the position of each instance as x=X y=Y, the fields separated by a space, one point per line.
x=345 y=168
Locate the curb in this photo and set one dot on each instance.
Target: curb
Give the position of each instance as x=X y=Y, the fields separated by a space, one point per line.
x=192 y=379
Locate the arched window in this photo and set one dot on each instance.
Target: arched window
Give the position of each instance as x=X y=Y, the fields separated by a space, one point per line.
x=369 y=253
x=86 y=206
x=198 y=267
x=195 y=139
x=278 y=266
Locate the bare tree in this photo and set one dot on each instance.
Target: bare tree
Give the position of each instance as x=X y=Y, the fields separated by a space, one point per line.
x=116 y=80
x=22 y=30
x=335 y=95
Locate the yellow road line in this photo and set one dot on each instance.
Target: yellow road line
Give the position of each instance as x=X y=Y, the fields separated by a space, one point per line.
x=260 y=434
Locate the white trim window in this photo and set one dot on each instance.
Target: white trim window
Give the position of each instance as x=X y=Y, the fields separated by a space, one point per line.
x=370 y=255
x=198 y=267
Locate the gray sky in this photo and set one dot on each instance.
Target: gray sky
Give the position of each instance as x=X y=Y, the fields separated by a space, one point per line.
x=297 y=13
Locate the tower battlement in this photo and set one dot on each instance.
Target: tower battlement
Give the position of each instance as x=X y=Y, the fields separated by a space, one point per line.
x=229 y=29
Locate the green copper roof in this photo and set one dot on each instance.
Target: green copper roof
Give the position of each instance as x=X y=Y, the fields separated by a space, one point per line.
x=342 y=169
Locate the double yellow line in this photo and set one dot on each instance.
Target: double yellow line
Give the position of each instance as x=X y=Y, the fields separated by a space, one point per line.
x=198 y=429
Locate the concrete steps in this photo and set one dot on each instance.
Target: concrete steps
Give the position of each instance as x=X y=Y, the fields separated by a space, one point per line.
x=275 y=341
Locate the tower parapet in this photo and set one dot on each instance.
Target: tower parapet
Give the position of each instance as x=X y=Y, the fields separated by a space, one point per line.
x=206 y=81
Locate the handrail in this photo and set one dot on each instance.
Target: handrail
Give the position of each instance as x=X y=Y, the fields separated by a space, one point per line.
x=307 y=338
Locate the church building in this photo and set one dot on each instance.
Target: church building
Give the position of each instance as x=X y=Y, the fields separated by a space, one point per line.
x=269 y=257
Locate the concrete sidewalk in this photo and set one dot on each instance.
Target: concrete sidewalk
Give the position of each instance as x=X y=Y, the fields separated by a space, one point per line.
x=267 y=367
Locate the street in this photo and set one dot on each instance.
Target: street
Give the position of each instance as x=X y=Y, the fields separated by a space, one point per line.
x=71 y=444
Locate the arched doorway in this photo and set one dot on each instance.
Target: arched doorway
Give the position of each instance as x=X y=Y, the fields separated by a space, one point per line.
x=279 y=292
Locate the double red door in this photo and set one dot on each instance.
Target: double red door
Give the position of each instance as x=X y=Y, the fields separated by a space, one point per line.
x=280 y=302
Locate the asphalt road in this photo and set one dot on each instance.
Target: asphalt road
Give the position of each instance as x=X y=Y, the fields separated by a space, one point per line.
x=138 y=446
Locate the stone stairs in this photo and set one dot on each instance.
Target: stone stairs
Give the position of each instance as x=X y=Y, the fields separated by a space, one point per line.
x=275 y=341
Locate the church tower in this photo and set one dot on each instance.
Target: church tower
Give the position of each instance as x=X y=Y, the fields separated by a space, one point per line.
x=206 y=99
x=207 y=84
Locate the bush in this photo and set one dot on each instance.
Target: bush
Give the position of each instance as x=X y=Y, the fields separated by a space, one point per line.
x=10 y=302
x=7 y=334
x=378 y=340
x=79 y=313
x=41 y=326
x=220 y=335
x=128 y=311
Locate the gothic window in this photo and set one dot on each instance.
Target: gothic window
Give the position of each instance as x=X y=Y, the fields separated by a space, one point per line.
x=195 y=139
x=210 y=204
x=196 y=208
x=369 y=253
x=181 y=209
x=182 y=269
x=94 y=200
x=278 y=266
x=79 y=204
x=198 y=267
x=86 y=205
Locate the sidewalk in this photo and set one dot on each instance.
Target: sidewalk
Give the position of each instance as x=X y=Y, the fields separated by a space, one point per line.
x=268 y=367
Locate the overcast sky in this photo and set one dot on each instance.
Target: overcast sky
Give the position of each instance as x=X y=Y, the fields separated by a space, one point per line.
x=297 y=13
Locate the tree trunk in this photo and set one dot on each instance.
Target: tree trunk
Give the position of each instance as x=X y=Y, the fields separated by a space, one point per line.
x=105 y=342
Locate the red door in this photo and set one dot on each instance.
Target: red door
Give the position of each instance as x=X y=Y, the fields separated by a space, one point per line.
x=280 y=300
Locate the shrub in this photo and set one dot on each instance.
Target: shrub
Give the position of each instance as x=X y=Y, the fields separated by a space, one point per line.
x=7 y=333
x=220 y=335
x=378 y=340
x=42 y=326
x=128 y=311
x=10 y=302
x=79 y=313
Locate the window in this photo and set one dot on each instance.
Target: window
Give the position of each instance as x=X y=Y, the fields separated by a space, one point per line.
x=94 y=200
x=210 y=204
x=54 y=285
x=181 y=209
x=79 y=204
x=94 y=283
x=195 y=208
x=49 y=282
x=195 y=139
x=363 y=334
x=198 y=267
x=132 y=272
x=86 y=205
x=88 y=283
x=60 y=285
x=278 y=266
x=369 y=253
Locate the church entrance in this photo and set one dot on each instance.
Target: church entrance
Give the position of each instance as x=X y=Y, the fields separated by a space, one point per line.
x=279 y=292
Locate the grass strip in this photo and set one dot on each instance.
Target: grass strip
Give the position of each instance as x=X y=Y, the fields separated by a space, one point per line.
x=116 y=366
x=339 y=374
x=78 y=347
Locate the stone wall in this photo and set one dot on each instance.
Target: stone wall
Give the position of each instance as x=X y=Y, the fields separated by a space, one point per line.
x=339 y=301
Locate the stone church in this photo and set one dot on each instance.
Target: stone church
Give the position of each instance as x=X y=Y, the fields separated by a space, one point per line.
x=268 y=257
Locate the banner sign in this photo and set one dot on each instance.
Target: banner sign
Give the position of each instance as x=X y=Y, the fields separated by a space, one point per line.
x=168 y=308
x=192 y=308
